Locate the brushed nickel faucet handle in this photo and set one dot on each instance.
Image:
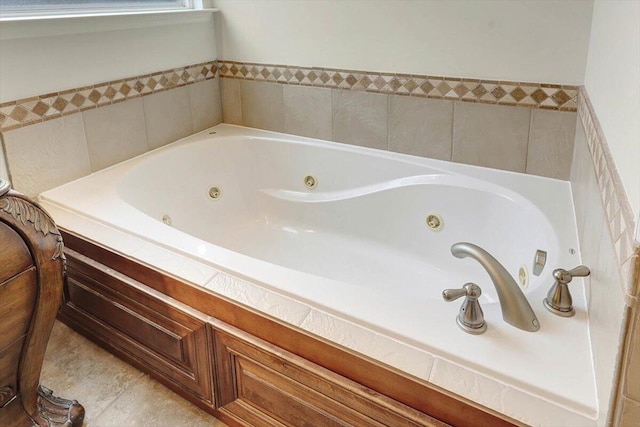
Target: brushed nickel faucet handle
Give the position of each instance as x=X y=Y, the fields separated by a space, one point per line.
x=470 y=318
x=558 y=300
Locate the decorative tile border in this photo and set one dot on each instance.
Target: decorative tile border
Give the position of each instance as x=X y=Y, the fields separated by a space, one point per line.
x=532 y=95
x=614 y=198
x=24 y=112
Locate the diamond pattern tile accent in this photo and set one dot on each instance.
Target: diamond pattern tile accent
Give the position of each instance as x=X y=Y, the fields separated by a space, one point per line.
x=427 y=87
x=28 y=111
x=18 y=113
x=561 y=97
x=461 y=90
x=518 y=94
x=60 y=104
x=498 y=92
x=479 y=91
x=534 y=95
x=539 y=96
x=40 y=108
x=617 y=207
x=25 y=112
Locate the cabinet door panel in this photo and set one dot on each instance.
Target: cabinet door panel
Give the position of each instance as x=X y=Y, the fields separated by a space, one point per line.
x=125 y=318
x=254 y=376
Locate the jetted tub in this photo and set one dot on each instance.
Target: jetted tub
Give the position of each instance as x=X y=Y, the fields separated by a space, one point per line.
x=344 y=232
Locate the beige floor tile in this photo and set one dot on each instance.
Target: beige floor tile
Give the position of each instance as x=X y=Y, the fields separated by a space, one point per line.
x=112 y=392
x=149 y=403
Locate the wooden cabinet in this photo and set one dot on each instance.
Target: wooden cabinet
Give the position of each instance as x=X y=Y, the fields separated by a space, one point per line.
x=245 y=368
x=31 y=282
x=260 y=384
x=142 y=326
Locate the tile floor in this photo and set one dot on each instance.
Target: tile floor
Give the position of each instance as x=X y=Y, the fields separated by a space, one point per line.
x=113 y=392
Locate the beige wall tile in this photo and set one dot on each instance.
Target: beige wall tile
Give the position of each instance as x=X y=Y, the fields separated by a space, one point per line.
x=167 y=116
x=420 y=126
x=47 y=154
x=583 y=178
x=630 y=413
x=551 y=139
x=606 y=314
x=632 y=386
x=307 y=111
x=262 y=105
x=490 y=135
x=115 y=133
x=360 y=118
x=206 y=105
x=231 y=101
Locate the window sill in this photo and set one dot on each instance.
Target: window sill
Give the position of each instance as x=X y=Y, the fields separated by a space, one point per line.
x=54 y=25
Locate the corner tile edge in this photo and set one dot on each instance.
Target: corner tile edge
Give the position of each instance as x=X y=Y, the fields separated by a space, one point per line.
x=619 y=215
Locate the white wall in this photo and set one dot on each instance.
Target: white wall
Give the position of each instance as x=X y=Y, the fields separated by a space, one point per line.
x=612 y=81
x=537 y=41
x=47 y=56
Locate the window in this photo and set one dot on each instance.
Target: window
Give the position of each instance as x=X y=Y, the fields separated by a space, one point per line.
x=26 y=8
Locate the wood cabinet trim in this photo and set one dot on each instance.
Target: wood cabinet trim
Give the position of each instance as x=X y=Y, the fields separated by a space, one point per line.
x=418 y=394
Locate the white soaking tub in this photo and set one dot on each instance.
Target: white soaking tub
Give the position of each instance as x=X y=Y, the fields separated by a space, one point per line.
x=352 y=259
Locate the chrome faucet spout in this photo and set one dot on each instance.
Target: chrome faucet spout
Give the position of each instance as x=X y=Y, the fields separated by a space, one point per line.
x=516 y=310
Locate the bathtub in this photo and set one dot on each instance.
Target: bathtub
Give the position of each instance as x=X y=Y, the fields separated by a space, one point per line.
x=353 y=244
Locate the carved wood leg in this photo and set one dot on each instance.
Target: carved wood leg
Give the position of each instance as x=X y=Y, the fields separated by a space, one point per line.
x=57 y=412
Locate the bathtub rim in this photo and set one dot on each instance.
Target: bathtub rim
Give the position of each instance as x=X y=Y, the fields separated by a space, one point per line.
x=585 y=411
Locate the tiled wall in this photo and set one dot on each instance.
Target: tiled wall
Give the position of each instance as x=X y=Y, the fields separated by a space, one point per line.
x=55 y=138
x=467 y=121
x=605 y=228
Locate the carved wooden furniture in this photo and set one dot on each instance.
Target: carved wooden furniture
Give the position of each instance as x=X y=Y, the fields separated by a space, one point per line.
x=246 y=368
x=31 y=283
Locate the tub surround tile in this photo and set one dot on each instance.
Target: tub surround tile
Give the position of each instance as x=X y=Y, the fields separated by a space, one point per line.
x=308 y=111
x=487 y=135
x=25 y=112
x=632 y=387
x=206 y=107
x=47 y=154
x=607 y=285
x=551 y=139
x=420 y=127
x=503 y=398
x=491 y=136
x=413 y=361
x=115 y=133
x=538 y=95
x=116 y=240
x=278 y=306
x=614 y=292
x=231 y=101
x=262 y=105
x=360 y=118
x=630 y=416
x=167 y=116
x=583 y=178
x=174 y=264
x=618 y=209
